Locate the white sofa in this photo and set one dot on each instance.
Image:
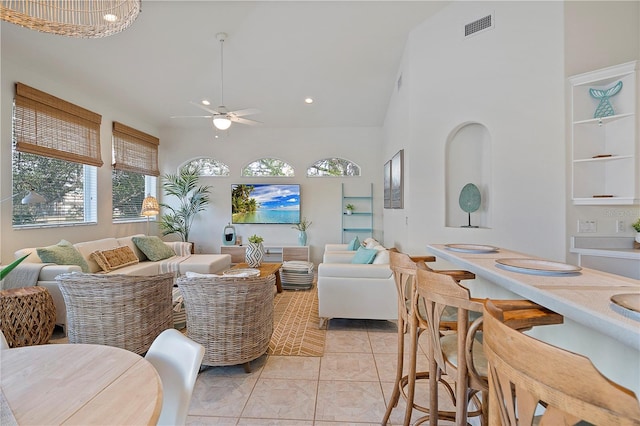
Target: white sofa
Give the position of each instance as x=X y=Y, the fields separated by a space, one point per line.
x=200 y=263
x=355 y=291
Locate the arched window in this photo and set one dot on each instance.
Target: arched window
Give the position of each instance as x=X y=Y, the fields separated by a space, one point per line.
x=333 y=167
x=209 y=167
x=268 y=167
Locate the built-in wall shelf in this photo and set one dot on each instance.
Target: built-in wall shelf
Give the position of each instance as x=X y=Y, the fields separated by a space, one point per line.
x=359 y=222
x=605 y=154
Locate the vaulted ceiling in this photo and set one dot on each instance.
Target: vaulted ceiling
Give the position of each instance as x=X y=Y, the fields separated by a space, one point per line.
x=344 y=54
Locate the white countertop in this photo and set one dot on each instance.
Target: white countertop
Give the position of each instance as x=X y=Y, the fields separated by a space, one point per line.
x=582 y=297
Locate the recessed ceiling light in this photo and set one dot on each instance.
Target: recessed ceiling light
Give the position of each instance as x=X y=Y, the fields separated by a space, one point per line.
x=110 y=17
x=205 y=102
x=308 y=100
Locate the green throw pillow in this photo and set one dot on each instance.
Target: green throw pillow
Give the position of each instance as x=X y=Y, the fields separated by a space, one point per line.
x=364 y=255
x=354 y=244
x=153 y=247
x=63 y=253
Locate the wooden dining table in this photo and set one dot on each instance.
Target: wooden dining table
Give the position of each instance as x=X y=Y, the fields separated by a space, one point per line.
x=78 y=384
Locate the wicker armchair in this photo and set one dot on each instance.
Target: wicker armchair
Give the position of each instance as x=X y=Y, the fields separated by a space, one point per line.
x=231 y=317
x=125 y=311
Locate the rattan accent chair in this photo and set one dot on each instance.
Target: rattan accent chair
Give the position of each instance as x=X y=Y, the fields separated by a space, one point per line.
x=232 y=317
x=125 y=311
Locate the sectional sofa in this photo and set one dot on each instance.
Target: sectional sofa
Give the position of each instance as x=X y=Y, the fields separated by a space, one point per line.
x=356 y=290
x=111 y=256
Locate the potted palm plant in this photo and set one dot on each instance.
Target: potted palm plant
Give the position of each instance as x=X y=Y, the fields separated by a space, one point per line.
x=192 y=199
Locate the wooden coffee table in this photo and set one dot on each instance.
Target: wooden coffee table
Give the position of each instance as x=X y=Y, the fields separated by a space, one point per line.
x=265 y=270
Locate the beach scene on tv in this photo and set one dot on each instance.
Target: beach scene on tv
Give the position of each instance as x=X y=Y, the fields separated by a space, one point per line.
x=265 y=203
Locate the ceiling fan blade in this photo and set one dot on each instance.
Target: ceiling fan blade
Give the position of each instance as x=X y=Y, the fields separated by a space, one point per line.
x=191 y=116
x=244 y=120
x=246 y=111
x=211 y=110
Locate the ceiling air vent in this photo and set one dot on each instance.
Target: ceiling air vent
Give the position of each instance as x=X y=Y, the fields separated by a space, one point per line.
x=478 y=25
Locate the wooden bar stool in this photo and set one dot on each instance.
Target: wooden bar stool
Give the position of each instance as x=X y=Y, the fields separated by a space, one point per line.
x=526 y=374
x=459 y=354
x=404 y=269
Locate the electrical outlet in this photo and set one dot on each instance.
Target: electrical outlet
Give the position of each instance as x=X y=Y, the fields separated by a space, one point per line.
x=620 y=226
x=587 y=226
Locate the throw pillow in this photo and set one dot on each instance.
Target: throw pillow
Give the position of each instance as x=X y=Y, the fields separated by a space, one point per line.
x=153 y=247
x=63 y=253
x=116 y=258
x=382 y=258
x=371 y=243
x=364 y=255
x=354 y=244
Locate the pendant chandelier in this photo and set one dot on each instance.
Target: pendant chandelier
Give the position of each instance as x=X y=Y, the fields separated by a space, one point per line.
x=72 y=18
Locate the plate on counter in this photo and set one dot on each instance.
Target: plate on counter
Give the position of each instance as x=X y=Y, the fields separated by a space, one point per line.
x=241 y=272
x=630 y=301
x=537 y=266
x=471 y=248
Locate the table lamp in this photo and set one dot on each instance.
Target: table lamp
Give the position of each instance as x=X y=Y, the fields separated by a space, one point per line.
x=150 y=208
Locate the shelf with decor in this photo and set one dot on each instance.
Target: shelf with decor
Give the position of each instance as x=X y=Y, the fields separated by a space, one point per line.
x=272 y=253
x=358 y=221
x=605 y=157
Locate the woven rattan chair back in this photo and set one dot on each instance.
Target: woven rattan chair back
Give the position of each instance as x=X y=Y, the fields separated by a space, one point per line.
x=525 y=373
x=125 y=311
x=231 y=317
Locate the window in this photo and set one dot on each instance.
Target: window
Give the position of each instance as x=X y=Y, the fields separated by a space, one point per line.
x=56 y=148
x=209 y=167
x=129 y=189
x=268 y=167
x=135 y=171
x=333 y=167
x=69 y=190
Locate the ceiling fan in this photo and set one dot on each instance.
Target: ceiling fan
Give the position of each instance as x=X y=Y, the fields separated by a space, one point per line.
x=222 y=117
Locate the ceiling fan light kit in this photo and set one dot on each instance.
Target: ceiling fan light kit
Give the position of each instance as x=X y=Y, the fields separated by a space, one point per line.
x=221 y=122
x=223 y=118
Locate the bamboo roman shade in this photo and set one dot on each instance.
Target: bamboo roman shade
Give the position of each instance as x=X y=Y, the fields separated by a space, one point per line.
x=135 y=151
x=51 y=127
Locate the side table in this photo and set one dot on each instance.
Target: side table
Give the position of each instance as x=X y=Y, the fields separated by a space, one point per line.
x=27 y=316
x=265 y=270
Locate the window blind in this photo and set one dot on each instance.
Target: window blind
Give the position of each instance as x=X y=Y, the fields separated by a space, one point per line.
x=135 y=151
x=46 y=125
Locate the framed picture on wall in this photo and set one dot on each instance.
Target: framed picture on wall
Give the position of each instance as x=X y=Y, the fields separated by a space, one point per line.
x=397 y=171
x=387 y=185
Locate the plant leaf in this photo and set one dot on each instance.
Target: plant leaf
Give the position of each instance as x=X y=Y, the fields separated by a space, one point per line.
x=5 y=271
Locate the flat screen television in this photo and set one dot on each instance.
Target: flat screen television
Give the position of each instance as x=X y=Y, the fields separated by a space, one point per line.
x=265 y=203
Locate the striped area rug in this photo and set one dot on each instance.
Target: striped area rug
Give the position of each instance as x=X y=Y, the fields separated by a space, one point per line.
x=296 y=321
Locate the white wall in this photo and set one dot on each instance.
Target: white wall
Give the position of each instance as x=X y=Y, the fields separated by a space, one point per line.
x=321 y=197
x=597 y=35
x=509 y=79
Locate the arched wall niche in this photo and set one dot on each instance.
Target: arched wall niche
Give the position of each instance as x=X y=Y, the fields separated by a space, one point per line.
x=468 y=160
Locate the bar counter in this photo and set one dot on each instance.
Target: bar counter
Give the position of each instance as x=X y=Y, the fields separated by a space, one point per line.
x=594 y=326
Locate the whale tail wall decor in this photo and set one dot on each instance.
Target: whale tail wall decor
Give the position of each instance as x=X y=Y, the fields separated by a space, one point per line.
x=604 y=108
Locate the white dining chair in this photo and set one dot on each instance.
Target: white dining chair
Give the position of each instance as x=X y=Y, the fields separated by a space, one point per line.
x=177 y=360
x=3 y=341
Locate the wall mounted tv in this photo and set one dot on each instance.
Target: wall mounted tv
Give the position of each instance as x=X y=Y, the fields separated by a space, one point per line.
x=265 y=203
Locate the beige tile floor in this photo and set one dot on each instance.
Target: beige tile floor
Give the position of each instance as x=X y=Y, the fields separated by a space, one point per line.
x=349 y=385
